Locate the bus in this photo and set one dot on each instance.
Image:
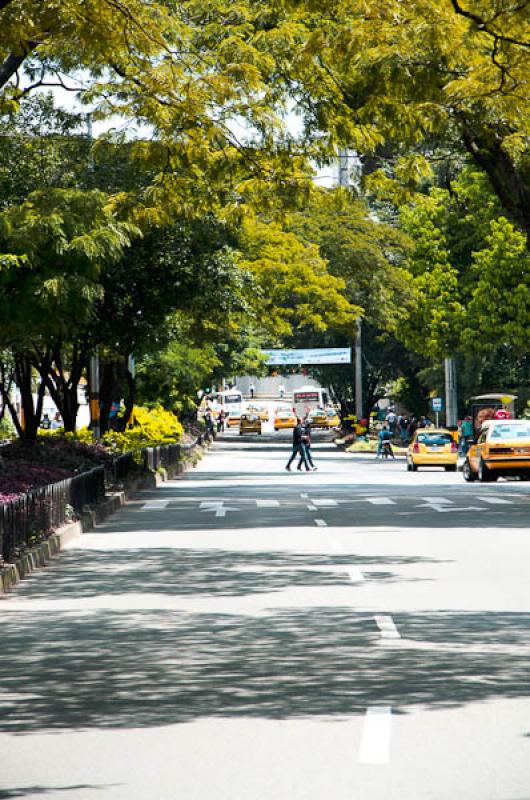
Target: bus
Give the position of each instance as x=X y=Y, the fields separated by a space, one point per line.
x=307 y=398
x=231 y=400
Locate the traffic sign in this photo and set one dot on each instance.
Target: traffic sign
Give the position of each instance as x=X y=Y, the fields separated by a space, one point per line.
x=437 y=404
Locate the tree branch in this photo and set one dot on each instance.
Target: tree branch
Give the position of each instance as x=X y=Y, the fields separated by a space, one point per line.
x=13 y=62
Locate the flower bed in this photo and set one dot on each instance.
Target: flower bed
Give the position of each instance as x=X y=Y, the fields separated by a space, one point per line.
x=18 y=477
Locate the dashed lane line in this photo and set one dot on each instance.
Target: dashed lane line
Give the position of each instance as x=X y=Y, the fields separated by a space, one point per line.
x=321 y=523
x=267 y=503
x=355 y=575
x=381 y=501
x=375 y=739
x=387 y=627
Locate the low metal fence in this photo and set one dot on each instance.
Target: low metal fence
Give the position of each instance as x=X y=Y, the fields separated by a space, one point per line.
x=32 y=518
x=119 y=469
x=162 y=456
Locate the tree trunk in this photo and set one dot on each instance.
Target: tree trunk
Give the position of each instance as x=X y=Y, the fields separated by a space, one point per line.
x=31 y=413
x=506 y=178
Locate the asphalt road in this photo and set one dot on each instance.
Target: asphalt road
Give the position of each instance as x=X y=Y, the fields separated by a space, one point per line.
x=244 y=633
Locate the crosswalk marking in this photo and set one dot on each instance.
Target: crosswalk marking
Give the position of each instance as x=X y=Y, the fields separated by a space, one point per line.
x=381 y=501
x=267 y=503
x=155 y=505
x=496 y=501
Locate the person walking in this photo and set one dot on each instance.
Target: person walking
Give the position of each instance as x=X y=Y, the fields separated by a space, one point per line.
x=252 y=390
x=306 y=446
x=298 y=447
x=281 y=390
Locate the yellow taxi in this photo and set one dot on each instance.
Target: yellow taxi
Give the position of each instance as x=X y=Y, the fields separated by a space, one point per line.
x=261 y=411
x=333 y=420
x=502 y=448
x=284 y=419
x=432 y=447
x=233 y=418
x=250 y=423
x=318 y=418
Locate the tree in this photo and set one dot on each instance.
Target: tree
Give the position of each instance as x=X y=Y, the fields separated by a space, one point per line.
x=54 y=248
x=296 y=293
x=373 y=74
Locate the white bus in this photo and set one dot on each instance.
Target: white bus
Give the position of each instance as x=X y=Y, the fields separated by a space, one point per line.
x=307 y=398
x=231 y=400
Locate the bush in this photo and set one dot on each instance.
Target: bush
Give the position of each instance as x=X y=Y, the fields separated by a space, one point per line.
x=151 y=427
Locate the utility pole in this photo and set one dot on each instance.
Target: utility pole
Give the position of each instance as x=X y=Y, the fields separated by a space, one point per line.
x=94 y=394
x=359 y=372
x=344 y=181
x=451 y=400
x=93 y=377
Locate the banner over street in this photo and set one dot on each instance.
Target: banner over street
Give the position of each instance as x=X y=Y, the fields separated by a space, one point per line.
x=333 y=355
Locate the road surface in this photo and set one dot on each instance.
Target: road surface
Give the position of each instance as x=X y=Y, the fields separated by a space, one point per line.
x=245 y=633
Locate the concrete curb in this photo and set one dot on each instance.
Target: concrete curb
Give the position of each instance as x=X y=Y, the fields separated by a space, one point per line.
x=43 y=553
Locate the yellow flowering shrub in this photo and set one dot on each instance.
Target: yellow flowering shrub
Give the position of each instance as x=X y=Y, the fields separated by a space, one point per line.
x=148 y=427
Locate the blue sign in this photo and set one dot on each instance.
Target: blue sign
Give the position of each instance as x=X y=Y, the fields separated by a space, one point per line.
x=437 y=404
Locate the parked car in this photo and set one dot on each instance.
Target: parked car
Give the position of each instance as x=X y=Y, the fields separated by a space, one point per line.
x=432 y=447
x=250 y=423
x=502 y=448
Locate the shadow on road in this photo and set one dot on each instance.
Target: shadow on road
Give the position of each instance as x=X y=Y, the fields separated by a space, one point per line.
x=136 y=668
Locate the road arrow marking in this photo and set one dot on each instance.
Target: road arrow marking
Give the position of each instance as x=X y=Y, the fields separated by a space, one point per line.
x=438 y=501
x=219 y=508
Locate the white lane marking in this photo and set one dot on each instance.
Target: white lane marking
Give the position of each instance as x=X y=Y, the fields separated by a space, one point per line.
x=219 y=508
x=211 y=504
x=375 y=740
x=311 y=507
x=443 y=509
x=381 y=501
x=438 y=501
x=155 y=505
x=321 y=523
x=387 y=627
x=267 y=503
x=355 y=575
x=304 y=496
x=324 y=502
x=495 y=501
